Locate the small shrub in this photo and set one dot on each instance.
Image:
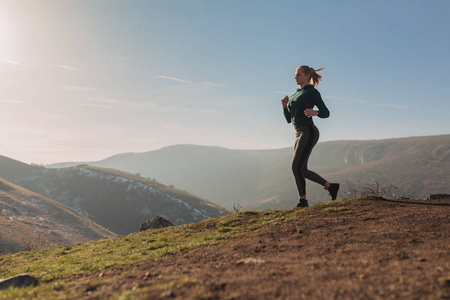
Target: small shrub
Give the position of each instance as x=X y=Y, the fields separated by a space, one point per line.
x=373 y=189
x=237 y=207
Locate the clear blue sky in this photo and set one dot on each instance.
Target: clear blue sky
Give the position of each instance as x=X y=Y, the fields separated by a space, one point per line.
x=82 y=80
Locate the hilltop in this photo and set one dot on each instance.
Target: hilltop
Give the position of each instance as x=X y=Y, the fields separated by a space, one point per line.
x=30 y=221
x=367 y=248
x=262 y=179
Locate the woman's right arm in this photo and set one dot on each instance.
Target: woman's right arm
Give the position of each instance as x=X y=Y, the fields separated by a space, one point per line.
x=286 y=111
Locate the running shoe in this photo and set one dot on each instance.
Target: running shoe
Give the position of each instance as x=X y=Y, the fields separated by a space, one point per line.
x=302 y=203
x=333 y=189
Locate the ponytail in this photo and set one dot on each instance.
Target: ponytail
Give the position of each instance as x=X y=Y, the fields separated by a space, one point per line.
x=315 y=77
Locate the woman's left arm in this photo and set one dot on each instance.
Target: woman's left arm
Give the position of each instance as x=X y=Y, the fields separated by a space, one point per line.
x=323 y=111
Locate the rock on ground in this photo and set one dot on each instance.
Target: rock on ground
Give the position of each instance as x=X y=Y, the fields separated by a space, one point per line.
x=155 y=223
x=21 y=280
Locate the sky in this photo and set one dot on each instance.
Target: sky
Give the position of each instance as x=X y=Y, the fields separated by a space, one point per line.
x=82 y=80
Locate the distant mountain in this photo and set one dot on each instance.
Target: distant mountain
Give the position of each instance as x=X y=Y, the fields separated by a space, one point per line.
x=30 y=221
x=262 y=178
x=114 y=199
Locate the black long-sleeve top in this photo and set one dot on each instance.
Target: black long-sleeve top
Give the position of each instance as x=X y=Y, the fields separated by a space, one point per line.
x=306 y=97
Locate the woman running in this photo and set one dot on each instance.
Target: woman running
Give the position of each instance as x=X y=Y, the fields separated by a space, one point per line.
x=298 y=110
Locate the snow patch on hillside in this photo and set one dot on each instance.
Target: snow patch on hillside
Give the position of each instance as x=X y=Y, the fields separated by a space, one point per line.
x=178 y=204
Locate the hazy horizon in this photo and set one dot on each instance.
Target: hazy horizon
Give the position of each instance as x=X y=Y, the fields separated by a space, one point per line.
x=234 y=149
x=86 y=80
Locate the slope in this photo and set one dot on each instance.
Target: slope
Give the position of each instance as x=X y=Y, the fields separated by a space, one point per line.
x=370 y=248
x=30 y=221
x=115 y=199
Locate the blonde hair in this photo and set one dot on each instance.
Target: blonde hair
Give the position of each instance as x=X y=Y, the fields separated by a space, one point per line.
x=315 y=77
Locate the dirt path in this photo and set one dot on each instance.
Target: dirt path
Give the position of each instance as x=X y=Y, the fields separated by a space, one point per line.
x=366 y=249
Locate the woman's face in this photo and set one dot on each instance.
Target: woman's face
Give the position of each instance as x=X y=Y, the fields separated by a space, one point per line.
x=301 y=78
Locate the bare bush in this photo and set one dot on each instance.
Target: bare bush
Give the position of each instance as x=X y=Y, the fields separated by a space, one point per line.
x=375 y=189
x=33 y=242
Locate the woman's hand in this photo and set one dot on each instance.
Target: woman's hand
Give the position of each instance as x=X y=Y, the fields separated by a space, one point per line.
x=285 y=101
x=311 y=112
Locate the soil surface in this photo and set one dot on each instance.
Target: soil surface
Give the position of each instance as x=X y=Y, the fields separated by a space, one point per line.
x=363 y=249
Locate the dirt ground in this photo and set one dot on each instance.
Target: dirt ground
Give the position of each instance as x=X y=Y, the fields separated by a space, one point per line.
x=366 y=249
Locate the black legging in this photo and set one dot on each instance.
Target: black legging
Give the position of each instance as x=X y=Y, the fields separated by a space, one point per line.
x=305 y=139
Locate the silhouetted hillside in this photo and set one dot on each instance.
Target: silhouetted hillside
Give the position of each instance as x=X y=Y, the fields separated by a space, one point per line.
x=30 y=221
x=114 y=199
x=262 y=178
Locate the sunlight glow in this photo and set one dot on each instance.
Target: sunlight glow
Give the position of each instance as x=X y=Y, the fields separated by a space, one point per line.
x=7 y=36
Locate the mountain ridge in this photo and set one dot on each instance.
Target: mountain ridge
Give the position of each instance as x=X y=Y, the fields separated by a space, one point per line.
x=262 y=179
